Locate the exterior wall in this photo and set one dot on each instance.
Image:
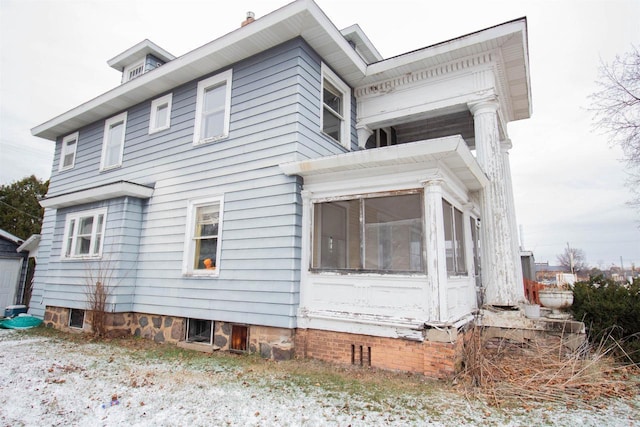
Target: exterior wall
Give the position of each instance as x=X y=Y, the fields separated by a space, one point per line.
x=430 y=358
x=275 y=114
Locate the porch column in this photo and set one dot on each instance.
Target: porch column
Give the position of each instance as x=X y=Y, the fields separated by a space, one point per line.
x=435 y=250
x=364 y=132
x=501 y=286
x=505 y=146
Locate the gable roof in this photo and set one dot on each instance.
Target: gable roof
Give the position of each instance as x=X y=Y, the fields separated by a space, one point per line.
x=303 y=18
x=8 y=236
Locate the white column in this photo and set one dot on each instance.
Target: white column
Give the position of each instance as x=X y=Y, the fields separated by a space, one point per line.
x=505 y=146
x=305 y=253
x=502 y=288
x=435 y=250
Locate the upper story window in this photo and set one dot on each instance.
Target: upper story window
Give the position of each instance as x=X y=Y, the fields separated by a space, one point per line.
x=113 y=141
x=202 y=243
x=133 y=71
x=213 y=107
x=84 y=234
x=335 y=120
x=160 y=118
x=68 y=151
x=379 y=234
x=454 y=239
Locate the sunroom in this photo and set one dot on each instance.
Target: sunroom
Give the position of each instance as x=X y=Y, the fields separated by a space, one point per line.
x=390 y=238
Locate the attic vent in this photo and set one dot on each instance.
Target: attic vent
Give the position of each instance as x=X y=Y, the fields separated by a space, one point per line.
x=135 y=72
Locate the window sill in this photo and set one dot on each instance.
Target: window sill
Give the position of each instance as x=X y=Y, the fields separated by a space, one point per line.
x=201 y=275
x=108 y=168
x=152 y=131
x=81 y=258
x=209 y=140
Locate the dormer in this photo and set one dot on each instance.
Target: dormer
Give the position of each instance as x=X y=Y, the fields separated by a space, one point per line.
x=139 y=59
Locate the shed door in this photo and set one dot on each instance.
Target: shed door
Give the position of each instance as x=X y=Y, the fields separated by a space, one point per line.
x=9 y=276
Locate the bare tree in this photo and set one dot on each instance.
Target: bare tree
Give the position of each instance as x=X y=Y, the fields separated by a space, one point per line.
x=573 y=259
x=99 y=287
x=616 y=107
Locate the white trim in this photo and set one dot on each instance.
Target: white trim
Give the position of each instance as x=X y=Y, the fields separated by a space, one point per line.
x=144 y=48
x=65 y=237
x=189 y=250
x=64 y=152
x=155 y=105
x=122 y=117
x=96 y=194
x=224 y=78
x=345 y=124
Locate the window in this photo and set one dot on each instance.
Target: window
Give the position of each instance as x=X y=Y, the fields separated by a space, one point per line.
x=160 y=118
x=199 y=330
x=202 y=251
x=84 y=234
x=378 y=234
x=335 y=119
x=76 y=318
x=213 y=105
x=454 y=239
x=113 y=142
x=68 y=152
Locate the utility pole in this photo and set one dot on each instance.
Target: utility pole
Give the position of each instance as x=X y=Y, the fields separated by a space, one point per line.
x=570 y=257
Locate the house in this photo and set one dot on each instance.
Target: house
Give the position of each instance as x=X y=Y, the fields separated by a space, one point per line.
x=13 y=270
x=286 y=190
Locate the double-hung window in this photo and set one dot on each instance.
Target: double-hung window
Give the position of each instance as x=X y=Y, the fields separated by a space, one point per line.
x=454 y=239
x=202 y=242
x=84 y=234
x=68 y=152
x=113 y=141
x=335 y=108
x=213 y=107
x=160 y=118
x=377 y=233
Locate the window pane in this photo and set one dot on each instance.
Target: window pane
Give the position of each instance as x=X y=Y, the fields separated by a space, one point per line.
x=112 y=155
x=69 y=153
x=214 y=98
x=393 y=233
x=162 y=116
x=331 y=124
x=213 y=124
x=337 y=235
x=332 y=97
x=459 y=242
x=448 y=235
x=199 y=330
x=206 y=237
x=72 y=225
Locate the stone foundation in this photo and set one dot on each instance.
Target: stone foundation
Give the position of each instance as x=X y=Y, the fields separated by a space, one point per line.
x=269 y=342
x=439 y=356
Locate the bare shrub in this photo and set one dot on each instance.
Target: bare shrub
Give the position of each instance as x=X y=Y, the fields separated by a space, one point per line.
x=99 y=287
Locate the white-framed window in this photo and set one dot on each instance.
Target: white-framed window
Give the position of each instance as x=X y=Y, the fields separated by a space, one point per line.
x=213 y=108
x=76 y=318
x=132 y=71
x=68 y=151
x=203 y=237
x=84 y=234
x=160 y=118
x=113 y=141
x=335 y=107
x=379 y=233
x=454 y=239
x=199 y=330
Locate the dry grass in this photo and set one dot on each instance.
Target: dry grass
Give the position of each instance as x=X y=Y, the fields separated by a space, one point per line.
x=544 y=371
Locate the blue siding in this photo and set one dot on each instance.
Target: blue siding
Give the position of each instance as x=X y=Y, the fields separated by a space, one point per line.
x=275 y=113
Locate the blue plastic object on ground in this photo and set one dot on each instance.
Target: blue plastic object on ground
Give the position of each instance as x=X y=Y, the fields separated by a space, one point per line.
x=20 y=322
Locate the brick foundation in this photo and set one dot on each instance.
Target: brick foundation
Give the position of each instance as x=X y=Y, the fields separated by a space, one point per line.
x=432 y=358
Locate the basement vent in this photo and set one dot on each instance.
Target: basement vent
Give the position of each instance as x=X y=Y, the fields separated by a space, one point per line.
x=239 y=338
x=76 y=318
x=360 y=355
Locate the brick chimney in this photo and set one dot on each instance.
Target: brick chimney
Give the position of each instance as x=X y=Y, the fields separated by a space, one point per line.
x=249 y=20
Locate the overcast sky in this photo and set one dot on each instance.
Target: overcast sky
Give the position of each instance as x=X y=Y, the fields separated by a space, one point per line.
x=568 y=182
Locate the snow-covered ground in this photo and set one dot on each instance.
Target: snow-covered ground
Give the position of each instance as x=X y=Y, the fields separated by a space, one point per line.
x=51 y=381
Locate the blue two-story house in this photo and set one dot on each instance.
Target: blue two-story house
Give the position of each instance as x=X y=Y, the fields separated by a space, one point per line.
x=286 y=190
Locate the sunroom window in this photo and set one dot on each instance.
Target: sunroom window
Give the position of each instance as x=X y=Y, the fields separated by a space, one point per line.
x=454 y=239
x=375 y=234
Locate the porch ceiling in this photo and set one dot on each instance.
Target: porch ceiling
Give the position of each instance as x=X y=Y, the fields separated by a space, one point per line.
x=451 y=152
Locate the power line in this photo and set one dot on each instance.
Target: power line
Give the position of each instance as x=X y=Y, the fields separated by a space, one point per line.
x=21 y=211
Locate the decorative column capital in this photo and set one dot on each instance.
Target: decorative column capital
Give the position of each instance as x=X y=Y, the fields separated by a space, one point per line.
x=488 y=105
x=432 y=183
x=364 y=132
x=506 y=145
